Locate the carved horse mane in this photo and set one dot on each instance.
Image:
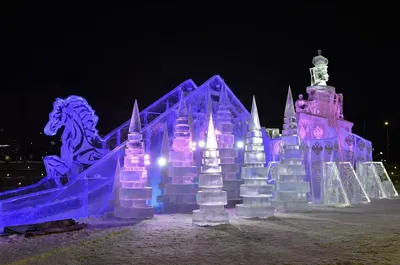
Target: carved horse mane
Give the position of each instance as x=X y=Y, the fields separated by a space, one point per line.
x=81 y=143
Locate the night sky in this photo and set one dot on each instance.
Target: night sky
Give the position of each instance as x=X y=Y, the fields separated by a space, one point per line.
x=111 y=55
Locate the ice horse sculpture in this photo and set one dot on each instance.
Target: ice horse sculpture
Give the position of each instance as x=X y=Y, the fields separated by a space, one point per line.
x=81 y=144
x=210 y=197
x=133 y=191
x=291 y=189
x=227 y=152
x=255 y=191
x=181 y=188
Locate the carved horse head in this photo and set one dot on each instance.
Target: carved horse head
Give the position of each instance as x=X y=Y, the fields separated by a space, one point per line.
x=69 y=109
x=58 y=117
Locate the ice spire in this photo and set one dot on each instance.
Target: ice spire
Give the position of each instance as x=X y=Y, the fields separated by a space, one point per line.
x=255 y=121
x=116 y=184
x=289 y=108
x=165 y=142
x=211 y=139
x=135 y=125
x=223 y=96
x=182 y=110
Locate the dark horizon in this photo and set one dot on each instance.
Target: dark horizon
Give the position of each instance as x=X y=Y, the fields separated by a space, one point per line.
x=114 y=55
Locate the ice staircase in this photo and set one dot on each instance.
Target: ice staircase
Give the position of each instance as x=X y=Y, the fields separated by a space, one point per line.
x=88 y=193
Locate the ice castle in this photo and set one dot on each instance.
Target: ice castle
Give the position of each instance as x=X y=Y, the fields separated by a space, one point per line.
x=79 y=183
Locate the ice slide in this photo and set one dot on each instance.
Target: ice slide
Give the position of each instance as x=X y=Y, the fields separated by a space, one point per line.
x=88 y=193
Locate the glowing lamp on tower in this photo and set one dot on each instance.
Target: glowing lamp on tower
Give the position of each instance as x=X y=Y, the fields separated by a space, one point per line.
x=202 y=144
x=162 y=161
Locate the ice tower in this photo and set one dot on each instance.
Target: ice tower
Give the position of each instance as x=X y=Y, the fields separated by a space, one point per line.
x=227 y=152
x=211 y=198
x=290 y=187
x=133 y=191
x=180 y=190
x=255 y=191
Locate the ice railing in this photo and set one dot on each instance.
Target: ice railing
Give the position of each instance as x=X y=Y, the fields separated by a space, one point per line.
x=158 y=110
x=147 y=115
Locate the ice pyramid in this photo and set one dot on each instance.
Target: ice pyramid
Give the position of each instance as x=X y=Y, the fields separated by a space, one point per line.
x=180 y=189
x=211 y=198
x=255 y=191
x=291 y=189
x=134 y=194
x=227 y=151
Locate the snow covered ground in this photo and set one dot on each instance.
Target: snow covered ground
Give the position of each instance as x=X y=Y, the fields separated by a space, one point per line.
x=364 y=234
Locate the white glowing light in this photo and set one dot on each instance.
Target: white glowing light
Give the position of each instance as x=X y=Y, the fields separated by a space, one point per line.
x=162 y=161
x=146 y=156
x=147 y=162
x=193 y=143
x=240 y=144
x=193 y=148
x=202 y=143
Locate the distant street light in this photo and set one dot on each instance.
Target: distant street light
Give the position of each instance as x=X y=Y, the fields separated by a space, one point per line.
x=387 y=141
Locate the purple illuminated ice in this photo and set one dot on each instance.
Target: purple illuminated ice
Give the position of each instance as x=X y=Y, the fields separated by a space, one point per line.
x=211 y=198
x=134 y=194
x=180 y=190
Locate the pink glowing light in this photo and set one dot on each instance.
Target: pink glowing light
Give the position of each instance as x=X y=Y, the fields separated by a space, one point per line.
x=318 y=132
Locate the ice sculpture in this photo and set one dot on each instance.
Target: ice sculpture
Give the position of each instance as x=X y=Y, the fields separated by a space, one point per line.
x=133 y=192
x=332 y=187
x=180 y=191
x=291 y=189
x=210 y=197
x=375 y=180
x=227 y=152
x=255 y=191
x=387 y=183
x=352 y=184
x=81 y=143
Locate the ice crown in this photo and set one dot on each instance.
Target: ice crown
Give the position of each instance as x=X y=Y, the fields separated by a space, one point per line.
x=319 y=59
